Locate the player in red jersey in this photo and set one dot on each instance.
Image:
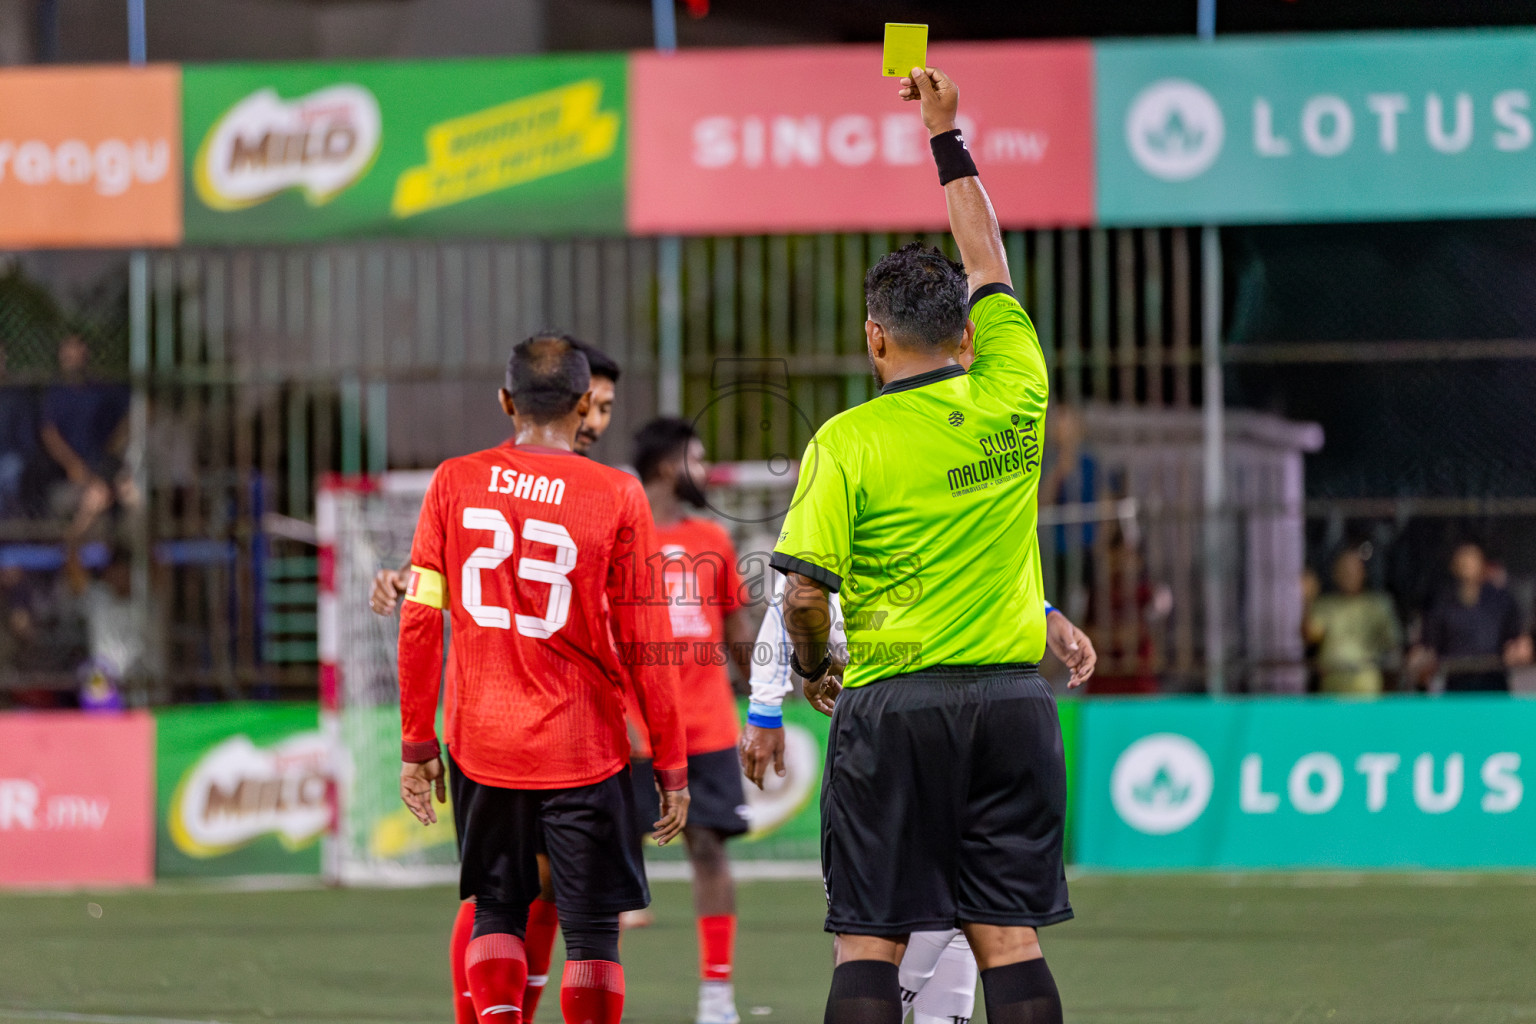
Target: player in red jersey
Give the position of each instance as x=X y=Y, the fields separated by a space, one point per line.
x=546 y=565
x=388 y=586
x=705 y=607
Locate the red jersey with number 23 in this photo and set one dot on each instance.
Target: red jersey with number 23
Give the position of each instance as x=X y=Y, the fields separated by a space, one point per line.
x=544 y=562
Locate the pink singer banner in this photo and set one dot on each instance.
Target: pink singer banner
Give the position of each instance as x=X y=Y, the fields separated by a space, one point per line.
x=816 y=140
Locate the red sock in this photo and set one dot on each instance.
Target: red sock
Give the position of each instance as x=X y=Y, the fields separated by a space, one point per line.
x=717 y=947
x=543 y=923
x=458 y=944
x=498 y=973
x=592 y=992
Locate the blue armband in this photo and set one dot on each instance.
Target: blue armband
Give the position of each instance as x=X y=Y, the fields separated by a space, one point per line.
x=765 y=716
x=1050 y=608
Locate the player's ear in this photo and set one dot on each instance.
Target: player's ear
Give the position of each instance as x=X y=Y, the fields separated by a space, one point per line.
x=506 y=402
x=584 y=405
x=965 y=354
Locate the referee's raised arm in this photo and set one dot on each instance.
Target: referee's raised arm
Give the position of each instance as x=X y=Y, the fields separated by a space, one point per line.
x=971 y=219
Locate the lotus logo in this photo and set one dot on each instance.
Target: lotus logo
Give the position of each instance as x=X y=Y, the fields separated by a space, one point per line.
x=1161 y=784
x=1174 y=129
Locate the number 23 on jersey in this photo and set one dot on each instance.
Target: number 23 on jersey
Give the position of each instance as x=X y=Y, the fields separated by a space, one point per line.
x=537 y=570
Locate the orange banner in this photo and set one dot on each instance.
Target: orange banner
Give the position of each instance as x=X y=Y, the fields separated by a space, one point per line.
x=90 y=157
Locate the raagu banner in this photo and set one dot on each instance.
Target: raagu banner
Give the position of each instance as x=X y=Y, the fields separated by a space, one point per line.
x=90 y=157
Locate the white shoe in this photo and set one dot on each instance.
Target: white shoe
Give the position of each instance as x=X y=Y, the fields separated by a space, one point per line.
x=717 y=1003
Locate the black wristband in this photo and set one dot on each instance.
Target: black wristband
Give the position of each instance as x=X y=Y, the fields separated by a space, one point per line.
x=951 y=156
x=815 y=673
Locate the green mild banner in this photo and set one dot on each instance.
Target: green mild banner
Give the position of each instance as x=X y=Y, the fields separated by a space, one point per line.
x=242 y=789
x=296 y=152
x=1347 y=127
x=1314 y=783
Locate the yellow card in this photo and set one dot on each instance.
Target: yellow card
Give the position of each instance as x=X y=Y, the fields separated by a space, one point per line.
x=906 y=47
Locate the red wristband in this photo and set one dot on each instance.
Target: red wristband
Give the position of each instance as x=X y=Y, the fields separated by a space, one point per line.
x=418 y=751
x=670 y=779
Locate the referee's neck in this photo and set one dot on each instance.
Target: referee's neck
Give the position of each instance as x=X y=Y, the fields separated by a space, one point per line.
x=898 y=366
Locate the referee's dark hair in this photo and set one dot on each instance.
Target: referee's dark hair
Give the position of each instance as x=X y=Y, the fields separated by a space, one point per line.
x=663 y=438
x=918 y=295
x=546 y=377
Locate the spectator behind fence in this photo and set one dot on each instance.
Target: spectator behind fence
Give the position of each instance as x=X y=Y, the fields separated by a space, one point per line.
x=18 y=441
x=1473 y=631
x=123 y=650
x=1355 y=631
x=85 y=431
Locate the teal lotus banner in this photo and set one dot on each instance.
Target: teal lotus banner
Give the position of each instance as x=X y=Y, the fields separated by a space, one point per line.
x=1383 y=126
x=1315 y=783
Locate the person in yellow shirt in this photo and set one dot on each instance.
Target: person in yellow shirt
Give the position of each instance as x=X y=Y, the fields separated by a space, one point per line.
x=1355 y=630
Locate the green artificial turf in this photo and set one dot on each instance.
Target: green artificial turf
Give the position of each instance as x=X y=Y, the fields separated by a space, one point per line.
x=1188 y=949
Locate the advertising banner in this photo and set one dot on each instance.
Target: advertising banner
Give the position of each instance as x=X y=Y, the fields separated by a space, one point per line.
x=90 y=157
x=802 y=139
x=243 y=789
x=76 y=799
x=1396 y=783
x=293 y=152
x=1348 y=127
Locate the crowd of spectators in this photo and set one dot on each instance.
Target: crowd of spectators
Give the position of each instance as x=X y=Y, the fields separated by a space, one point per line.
x=1468 y=640
x=67 y=632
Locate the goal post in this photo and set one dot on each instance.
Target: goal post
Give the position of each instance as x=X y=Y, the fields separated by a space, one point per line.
x=364 y=524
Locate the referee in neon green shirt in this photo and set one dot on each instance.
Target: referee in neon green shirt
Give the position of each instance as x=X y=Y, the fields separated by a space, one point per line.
x=945 y=791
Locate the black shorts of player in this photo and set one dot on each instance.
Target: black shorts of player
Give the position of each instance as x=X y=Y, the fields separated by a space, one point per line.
x=716 y=798
x=943 y=802
x=458 y=819
x=594 y=852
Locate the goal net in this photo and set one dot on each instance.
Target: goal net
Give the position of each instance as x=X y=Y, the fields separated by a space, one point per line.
x=366 y=524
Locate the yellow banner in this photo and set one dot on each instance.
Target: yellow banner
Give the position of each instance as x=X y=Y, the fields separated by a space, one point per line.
x=511 y=144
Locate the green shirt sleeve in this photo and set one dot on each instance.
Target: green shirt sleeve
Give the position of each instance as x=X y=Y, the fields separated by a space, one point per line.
x=1007 y=349
x=817 y=538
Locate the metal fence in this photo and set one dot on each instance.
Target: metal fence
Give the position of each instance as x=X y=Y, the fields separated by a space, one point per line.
x=267 y=368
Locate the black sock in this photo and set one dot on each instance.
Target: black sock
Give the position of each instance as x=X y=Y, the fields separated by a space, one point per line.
x=1021 y=993
x=864 y=992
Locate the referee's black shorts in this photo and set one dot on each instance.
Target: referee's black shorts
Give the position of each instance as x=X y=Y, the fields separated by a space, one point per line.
x=943 y=802
x=588 y=832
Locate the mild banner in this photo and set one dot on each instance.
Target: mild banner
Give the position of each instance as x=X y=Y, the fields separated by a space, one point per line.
x=244 y=789
x=294 y=152
x=1315 y=783
x=90 y=157
x=803 y=139
x=1403 y=126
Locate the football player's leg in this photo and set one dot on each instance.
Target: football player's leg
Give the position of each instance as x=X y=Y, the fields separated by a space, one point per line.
x=918 y=963
x=949 y=995
x=496 y=963
x=499 y=870
x=543 y=923
x=714 y=902
x=458 y=950
x=716 y=814
x=598 y=873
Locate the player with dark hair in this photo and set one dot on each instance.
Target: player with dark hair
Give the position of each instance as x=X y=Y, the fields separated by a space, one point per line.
x=389 y=585
x=708 y=618
x=945 y=790
x=535 y=707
